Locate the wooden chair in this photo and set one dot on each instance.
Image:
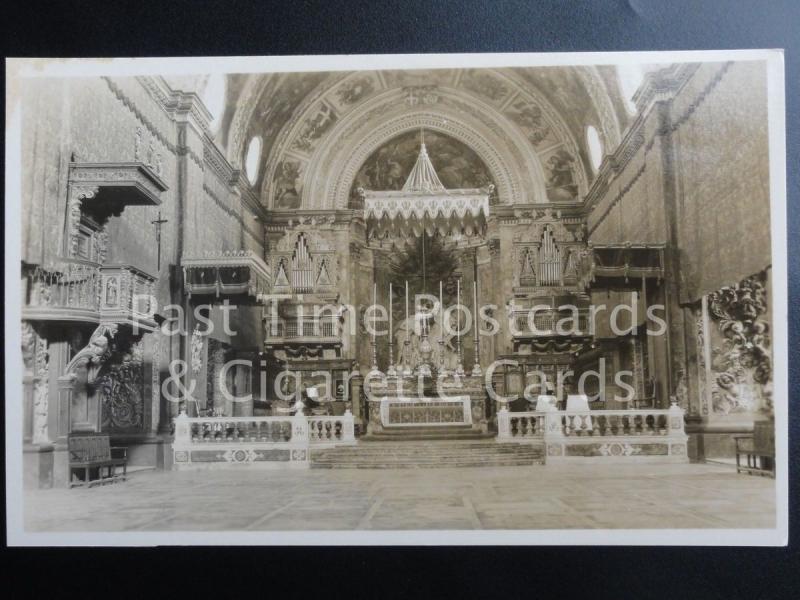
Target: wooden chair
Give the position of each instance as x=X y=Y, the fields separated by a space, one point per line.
x=93 y=455
x=758 y=450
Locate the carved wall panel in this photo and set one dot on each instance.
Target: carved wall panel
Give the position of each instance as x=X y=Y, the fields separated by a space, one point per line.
x=740 y=368
x=121 y=387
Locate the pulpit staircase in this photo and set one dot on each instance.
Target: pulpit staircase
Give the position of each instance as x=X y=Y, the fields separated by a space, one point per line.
x=428 y=454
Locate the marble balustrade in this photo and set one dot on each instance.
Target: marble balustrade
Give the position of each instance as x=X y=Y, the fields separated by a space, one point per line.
x=208 y=442
x=641 y=435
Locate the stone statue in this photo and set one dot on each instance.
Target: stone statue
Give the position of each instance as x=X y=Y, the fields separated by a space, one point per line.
x=94 y=354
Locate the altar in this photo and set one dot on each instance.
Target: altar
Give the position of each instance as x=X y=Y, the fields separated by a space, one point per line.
x=421 y=412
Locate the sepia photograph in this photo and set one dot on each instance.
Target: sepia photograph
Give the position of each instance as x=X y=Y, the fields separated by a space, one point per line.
x=397 y=299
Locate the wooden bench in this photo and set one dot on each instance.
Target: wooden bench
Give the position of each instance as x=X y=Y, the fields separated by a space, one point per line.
x=92 y=455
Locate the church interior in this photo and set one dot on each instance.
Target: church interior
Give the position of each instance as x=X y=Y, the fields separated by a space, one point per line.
x=245 y=270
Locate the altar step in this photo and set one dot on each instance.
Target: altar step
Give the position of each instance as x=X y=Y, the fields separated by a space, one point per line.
x=427 y=432
x=427 y=455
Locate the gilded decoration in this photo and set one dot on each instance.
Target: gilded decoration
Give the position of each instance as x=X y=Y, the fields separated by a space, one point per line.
x=197 y=349
x=741 y=359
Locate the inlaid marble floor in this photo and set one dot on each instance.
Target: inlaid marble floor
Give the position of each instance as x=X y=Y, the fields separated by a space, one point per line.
x=542 y=497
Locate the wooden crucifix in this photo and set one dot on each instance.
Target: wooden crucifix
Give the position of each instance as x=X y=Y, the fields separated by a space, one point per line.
x=158 y=223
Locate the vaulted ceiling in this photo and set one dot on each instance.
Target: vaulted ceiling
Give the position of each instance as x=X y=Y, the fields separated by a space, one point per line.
x=318 y=129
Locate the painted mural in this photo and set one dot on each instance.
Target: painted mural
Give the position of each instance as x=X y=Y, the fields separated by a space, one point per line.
x=280 y=98
x=388 y=167
x=354 y=90
x=314 y=128
x=561 y=185
x=288 y=185
x=530 y=119
x=484 y=84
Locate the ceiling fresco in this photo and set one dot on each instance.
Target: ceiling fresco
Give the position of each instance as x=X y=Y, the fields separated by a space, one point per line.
x=296 y=113
x=279 y=100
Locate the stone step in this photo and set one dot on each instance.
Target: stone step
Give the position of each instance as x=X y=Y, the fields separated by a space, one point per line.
x=423 y=453
x=429 y=446
x=430 y=454
x=410 y=448
x=425 y=457
x=423 y=436
x=414 y=465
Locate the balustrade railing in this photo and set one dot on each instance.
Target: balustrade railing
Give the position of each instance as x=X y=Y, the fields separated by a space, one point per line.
x=651 y=433
x=331 y=429
x=308 y=328
x=265 y=441
x=616 y=423
x=244 y=429
x=526 y=425
x=597 y=423
x=549 y=324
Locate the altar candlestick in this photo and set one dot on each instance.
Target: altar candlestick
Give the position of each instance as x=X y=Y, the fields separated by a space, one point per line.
x=391 y=372
x=374 y=318
x=407 y=343
x=476 y=368
x=406 y=309
x=441 y=312
x=442 y=369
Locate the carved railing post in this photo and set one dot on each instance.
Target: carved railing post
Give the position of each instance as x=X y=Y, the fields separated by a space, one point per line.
x=503 y=424
x=553 y=426
x=676 y=420
x=300 y=428
x=182 y=429
x=348 y=427
x=356 y=383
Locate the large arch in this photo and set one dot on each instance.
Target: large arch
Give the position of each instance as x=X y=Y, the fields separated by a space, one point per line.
x=463 y=109
x=516 y=172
